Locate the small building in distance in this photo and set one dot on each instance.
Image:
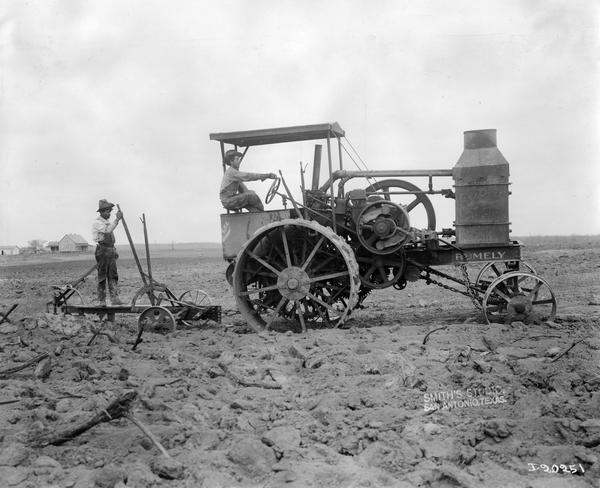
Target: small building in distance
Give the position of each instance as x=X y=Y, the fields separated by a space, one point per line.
x=9 y=250
x=52 y=246
x=73 y=243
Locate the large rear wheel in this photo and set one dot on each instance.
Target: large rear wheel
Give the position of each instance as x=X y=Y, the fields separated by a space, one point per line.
x=295 y=274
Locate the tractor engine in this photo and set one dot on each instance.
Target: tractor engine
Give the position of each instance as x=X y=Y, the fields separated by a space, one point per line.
x=382 y=226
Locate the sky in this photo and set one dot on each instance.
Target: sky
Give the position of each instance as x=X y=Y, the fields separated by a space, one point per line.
x=116 y=99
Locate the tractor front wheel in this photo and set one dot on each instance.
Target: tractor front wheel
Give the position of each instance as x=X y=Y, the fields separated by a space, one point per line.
x=519 y=296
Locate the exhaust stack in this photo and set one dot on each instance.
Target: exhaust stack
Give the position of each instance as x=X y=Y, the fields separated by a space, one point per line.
x=316 y=167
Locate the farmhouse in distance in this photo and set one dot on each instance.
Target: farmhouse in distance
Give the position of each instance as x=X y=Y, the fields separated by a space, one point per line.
x=69 y=243
x=9 y=250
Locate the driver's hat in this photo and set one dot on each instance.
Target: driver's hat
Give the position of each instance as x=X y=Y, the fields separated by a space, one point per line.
x=229 y=155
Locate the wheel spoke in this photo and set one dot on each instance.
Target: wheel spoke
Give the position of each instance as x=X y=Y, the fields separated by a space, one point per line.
x=372 y=239
x=323 y=315
x=329 y=276
x=263 y=262
x=258 y=290
x=543 y=302
x=360 y=259
x=413 y=204
x=501 y=294
x=535 y=290
x=275 y=250
x=303 y=252
x=383 y=274
x=286 y=248
x=515 y=285
x=322 y=264
x=259 y=304
x=338 y=294
x=300 y=315
x=409 y=197
x=321 y=302
x=495 y=270
x=254 y=272
x=312 y=253
x=276 y=314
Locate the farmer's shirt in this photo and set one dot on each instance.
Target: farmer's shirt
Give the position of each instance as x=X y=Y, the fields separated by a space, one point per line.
x=102 y=231
x=232 y=184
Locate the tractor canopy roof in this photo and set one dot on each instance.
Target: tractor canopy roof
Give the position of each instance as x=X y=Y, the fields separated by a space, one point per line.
x=280 y=134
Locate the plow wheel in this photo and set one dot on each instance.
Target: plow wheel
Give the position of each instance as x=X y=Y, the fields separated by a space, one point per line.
x=156 y=319
x=518 y=295
x=493 y=269
x=195 y=297
x=418 y=206
x=295 y=274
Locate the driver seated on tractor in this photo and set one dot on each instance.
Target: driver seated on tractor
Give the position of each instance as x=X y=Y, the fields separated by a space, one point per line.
x=234 y=194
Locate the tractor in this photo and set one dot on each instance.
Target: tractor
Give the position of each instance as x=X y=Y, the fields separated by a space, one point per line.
x=312 y=264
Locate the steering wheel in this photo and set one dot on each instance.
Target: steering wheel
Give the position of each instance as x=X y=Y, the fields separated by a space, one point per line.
x=272 y=190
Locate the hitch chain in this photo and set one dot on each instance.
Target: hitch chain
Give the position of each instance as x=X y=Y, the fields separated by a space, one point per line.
x=469 y=293
x=431 y=281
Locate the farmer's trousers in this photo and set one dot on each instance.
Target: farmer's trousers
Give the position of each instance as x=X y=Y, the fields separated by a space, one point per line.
x=106 y=262
x=247 y=199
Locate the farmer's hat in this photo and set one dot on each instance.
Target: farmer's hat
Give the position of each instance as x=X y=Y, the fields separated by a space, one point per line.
x=102 y=204
x=229 y=155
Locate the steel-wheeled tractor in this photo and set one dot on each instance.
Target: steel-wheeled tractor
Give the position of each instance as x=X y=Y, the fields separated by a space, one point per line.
x=311 y=264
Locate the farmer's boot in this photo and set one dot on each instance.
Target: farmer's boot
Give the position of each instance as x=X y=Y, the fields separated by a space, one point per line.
x=114 y=293
x=101 y=300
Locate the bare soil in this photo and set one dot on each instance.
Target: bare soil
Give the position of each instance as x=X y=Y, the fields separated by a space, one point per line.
x=371 y=405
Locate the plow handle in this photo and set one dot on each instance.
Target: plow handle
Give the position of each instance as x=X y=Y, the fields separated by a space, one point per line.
x=135 y=256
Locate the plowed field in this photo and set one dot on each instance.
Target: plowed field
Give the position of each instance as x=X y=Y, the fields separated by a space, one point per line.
x=373 y=404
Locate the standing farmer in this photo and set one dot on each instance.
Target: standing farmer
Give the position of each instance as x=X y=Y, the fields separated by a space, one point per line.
x=106 y=255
